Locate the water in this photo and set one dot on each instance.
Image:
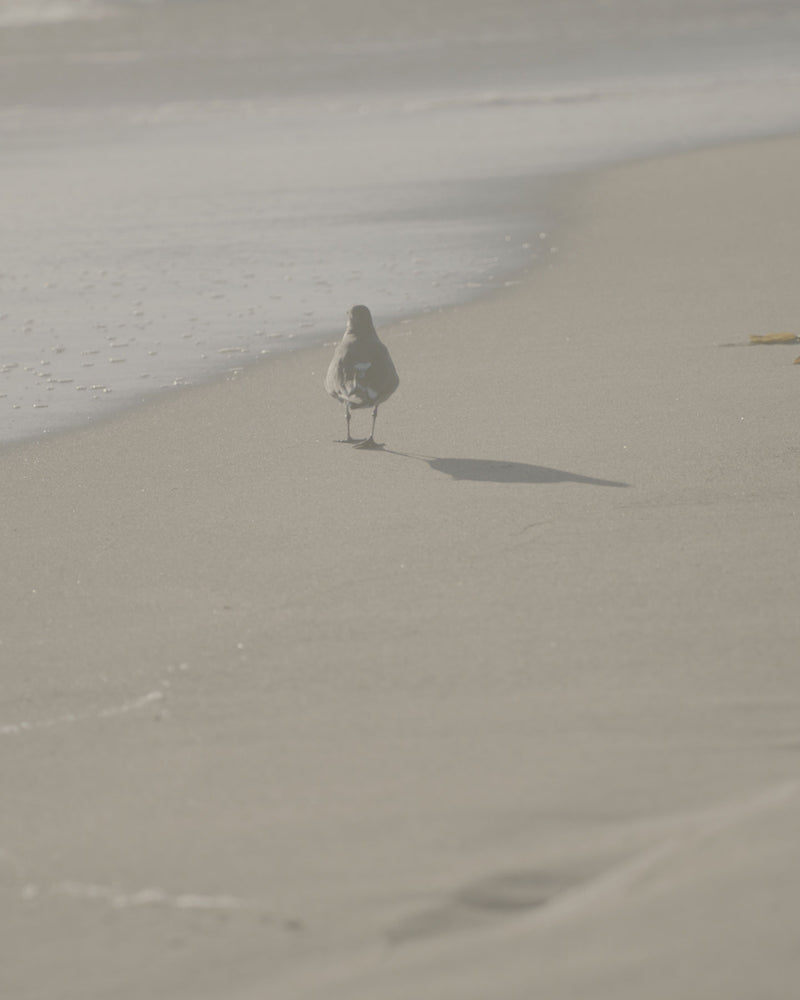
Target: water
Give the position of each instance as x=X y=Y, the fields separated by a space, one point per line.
x=189 y=185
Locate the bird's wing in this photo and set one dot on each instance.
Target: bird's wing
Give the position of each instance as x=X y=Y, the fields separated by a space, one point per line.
x=348 y=380
x=383 y=378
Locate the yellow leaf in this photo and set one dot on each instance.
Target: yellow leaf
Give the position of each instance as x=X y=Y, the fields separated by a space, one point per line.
x=775 y=338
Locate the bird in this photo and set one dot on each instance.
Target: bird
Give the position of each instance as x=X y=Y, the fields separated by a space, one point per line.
x=361 y=373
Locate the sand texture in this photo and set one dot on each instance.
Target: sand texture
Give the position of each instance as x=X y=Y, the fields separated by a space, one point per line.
x=508 y=709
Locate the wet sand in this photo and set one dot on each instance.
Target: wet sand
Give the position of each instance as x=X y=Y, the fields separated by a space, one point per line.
x=509 y=708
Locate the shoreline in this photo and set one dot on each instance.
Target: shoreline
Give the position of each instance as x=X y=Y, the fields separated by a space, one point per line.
x=518 y=205
x=380 y=713
x=177 y=253
x=545 y=205
x=119 y=328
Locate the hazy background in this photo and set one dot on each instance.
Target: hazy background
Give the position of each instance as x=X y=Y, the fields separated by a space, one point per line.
x=189 y=185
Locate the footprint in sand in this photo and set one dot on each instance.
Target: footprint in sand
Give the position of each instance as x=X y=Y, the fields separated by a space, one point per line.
x=504 y=894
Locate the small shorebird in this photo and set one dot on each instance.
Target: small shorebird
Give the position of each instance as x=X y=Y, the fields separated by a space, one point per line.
x=361 y=373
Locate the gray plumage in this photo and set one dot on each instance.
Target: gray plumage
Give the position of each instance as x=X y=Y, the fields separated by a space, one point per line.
x=361 y=373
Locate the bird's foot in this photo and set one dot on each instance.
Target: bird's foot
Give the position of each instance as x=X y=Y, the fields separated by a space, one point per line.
x=369 y=442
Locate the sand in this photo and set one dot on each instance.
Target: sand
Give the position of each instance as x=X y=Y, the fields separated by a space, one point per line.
x=508 y=709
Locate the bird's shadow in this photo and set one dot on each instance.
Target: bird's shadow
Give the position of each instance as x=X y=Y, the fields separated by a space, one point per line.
x=482 y=470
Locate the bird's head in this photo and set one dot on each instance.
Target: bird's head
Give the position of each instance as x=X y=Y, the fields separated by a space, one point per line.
x=359 y=320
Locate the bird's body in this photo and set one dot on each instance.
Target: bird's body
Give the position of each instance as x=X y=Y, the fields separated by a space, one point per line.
x=361 y=373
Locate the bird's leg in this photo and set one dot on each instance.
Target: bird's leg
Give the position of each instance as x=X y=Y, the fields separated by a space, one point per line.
x=370 y=441
x=347 y=414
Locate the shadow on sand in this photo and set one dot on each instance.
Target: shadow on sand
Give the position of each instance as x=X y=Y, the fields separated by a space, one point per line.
x=481 y=470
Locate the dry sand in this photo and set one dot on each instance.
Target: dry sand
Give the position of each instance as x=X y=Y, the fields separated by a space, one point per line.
x=507 y=710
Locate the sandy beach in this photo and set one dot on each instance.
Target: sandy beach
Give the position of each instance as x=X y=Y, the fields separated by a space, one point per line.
x=508 y=709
